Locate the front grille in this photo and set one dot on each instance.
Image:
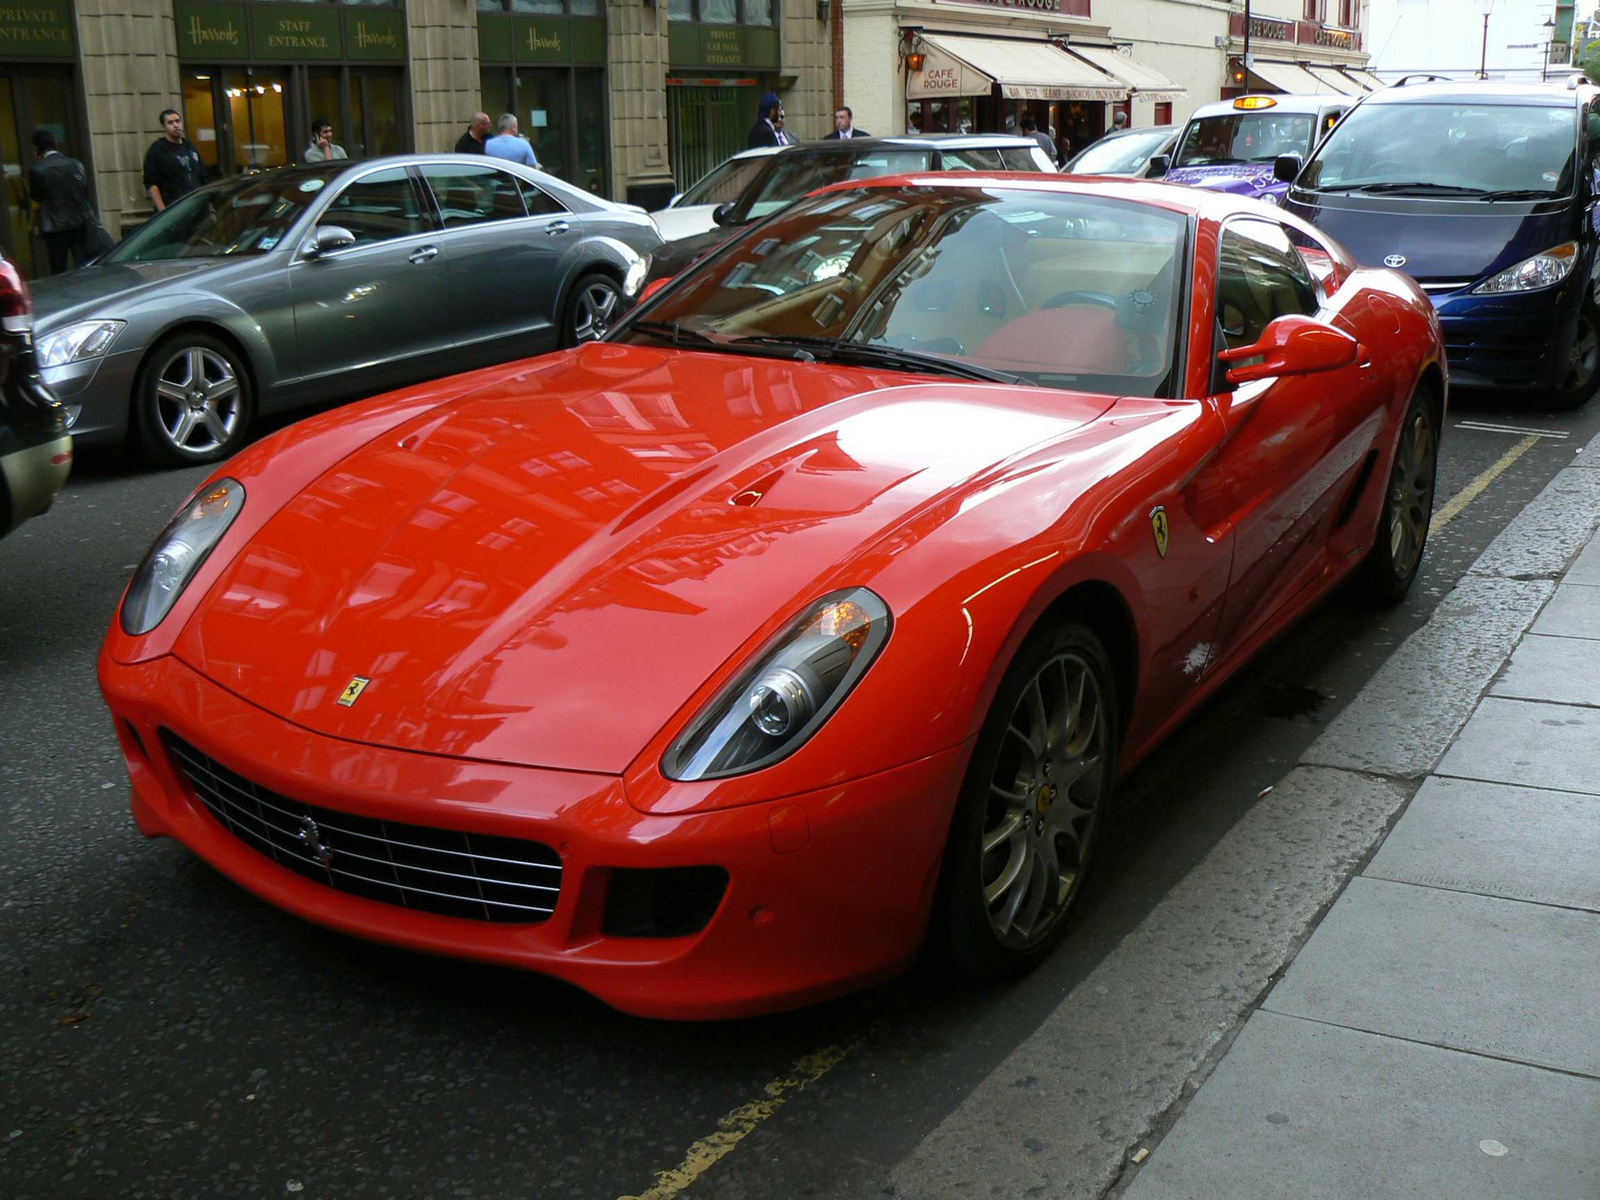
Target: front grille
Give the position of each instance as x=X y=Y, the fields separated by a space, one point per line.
x=444 y=871
x=1432 y=286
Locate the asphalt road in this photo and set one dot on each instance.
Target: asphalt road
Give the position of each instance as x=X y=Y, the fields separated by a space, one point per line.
x=162 y=1033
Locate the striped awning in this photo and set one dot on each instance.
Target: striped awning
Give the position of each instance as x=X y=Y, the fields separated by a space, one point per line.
x=1024 y=70
x=1292 y=78
x=1337 y=79
x=1143 y=81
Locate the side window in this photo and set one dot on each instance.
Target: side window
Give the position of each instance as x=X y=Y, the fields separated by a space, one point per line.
x=473 y=195
x=1025 y=158
x=540 y=203
x=1259 y=277
x=971 y=160
x=379 y=207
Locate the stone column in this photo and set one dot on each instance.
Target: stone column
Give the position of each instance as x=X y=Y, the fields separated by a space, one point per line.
x=130 y=73
x=808 y=60
x=636 y=53
x=445 y=84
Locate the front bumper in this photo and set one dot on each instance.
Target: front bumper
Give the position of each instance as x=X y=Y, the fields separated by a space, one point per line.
x=32 y=478
x=97 y=394
x=1517 y=343
x=827 y=891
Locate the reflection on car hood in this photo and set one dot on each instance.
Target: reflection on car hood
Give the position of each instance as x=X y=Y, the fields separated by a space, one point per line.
x=1460 y=240
x=78 y=294
x=1241 y=179
x=544 y=570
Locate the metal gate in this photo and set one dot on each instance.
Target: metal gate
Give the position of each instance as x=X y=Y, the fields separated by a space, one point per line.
x=705 y=125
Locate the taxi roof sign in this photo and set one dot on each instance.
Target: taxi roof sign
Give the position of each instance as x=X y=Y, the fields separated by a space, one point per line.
x=1255 y=102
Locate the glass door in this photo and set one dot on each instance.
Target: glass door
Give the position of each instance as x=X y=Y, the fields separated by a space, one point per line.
x=257 y=117
x=364 y=104
x=542 y=118
x=32 y=98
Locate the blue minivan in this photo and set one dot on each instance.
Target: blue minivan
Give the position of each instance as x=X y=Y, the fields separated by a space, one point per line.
x=1486 y=194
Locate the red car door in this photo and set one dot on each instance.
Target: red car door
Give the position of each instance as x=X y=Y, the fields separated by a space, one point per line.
x=1292 y=447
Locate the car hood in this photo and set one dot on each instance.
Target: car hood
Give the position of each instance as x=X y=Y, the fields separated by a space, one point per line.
x=1438 y=240
x=689 y=220
x=545 y=570
x=76 y=294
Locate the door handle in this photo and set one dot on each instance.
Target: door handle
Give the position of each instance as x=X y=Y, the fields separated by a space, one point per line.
x=556 y=227
x=423 y=253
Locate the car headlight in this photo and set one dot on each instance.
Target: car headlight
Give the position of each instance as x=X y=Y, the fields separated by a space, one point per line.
x=1540 y=271
x=182 y=547
x=638 y=271
x=1267 y=198
x=795 y=683
x=73 y=343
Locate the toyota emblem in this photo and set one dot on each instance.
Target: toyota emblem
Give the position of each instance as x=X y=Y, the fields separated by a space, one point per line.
x=1395 y=260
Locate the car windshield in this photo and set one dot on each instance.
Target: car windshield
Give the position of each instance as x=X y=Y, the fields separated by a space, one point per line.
x=247 y=216
x=1057 y=289
x=725 y=182
x=1125 y=155
x=1438 y=148
x=1244 y=137
x=793 y=175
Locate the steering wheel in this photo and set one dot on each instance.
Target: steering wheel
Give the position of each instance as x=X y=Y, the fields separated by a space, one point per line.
x=1093 y=299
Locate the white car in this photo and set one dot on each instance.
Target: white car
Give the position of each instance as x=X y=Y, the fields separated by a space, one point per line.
x=689 y=213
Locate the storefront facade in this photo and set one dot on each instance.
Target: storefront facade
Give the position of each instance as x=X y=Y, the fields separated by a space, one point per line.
x=630 y=101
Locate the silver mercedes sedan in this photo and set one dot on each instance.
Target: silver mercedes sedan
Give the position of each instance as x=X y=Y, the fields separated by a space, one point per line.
x=328 y=282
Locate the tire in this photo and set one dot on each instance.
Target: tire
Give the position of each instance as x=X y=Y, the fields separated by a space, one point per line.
x=1040 y=813
x=192 y=401
x=1402 y=533
x=593 y=304
x=1583 y=369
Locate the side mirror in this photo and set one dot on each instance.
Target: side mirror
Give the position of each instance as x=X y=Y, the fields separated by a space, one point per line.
x=1158 y=167
x=1292 y=345
x=654 y=286
x=1285 y=167
x=329 y=238
x=676 y=196
x=722 y=214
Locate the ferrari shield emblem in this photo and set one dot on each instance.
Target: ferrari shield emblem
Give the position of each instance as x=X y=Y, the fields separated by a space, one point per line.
x=358 y=683
x=1158 y=526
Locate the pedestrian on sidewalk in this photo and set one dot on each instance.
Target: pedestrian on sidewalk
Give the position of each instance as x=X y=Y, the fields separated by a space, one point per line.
x=768 y=129
x=477 y=134
x=844 y=126
x=60 y=187
x=1030 y=128
x=323 y=148
x=508 y=145
x=172 y=167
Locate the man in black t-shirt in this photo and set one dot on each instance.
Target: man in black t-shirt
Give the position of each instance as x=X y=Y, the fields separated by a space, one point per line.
x=477 y=134
x=172 y=167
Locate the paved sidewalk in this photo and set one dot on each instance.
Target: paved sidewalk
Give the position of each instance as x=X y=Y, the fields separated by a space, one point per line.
x=1439 y=1033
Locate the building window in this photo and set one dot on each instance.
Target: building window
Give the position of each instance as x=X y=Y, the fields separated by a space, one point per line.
x=541 y=8
x=1164 y=113
x=1315 y=9
x=722 y=12
x=1349 y=14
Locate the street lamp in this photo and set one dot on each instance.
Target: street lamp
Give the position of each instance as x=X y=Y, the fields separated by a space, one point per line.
x=1549 y=37
x=1483 y=54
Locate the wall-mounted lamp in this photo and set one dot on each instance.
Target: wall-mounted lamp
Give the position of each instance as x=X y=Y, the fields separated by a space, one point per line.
x=915 y=59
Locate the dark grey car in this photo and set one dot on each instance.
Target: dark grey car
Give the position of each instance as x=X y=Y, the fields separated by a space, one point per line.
x=324 y=282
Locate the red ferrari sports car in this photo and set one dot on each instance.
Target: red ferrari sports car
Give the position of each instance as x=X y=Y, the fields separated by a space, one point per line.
x=717 y=666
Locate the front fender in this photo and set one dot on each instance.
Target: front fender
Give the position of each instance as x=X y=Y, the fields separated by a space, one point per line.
x=156 y=318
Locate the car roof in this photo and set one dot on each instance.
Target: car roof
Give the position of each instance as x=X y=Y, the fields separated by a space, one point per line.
x=1281 y=104
x=1483 y=92
x=914 y=141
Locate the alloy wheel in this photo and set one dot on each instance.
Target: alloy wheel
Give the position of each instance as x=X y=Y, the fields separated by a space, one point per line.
x=1050 y=779
x=198 y=400
x=1584 y=358
x=595 y=306
x=1411 y=485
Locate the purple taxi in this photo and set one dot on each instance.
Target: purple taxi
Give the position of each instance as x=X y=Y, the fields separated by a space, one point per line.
x=1230 y=146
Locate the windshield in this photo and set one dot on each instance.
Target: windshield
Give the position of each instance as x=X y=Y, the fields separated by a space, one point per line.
x=250 y=216
x=793 y=175
x=1125 y=155
x=1244 y=137
x=1062 y=290
x=724 y=183
x=1467 y=148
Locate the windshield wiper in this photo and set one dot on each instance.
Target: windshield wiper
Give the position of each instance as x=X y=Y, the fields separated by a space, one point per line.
x=1413 y=186
x=888 y=356
x=1520 y=194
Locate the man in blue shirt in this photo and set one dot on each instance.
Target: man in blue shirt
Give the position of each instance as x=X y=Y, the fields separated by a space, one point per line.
x=506 y=144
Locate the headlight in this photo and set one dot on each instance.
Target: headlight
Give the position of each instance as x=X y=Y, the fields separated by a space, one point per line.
x=1540 y=271
x=1267 y=198
x=793 y=686
x=638 y=272
x=178 y=553
x=85 y=339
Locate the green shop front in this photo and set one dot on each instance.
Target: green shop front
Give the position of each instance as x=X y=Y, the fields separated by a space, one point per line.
x=544 y=61
x=38 y=89
x=723 y=54
x=255 y=75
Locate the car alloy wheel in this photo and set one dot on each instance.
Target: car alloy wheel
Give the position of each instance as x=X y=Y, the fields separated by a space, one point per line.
x=1402 y=532
x=1027 y=822
x=595 y=302
x=198 y=400
x=1045 y=794
x=1582 y=376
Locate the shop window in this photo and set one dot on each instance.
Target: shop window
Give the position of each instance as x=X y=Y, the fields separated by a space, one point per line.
x=722 y=12
x=1164 y=113
x=543 y=8
x=474 y=195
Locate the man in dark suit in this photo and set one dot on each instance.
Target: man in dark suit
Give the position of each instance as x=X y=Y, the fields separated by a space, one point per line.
x=768 y=129
x=844 y=126
x=60 y=188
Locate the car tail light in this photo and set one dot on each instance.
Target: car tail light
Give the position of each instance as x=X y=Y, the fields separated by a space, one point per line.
x=16 y=307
